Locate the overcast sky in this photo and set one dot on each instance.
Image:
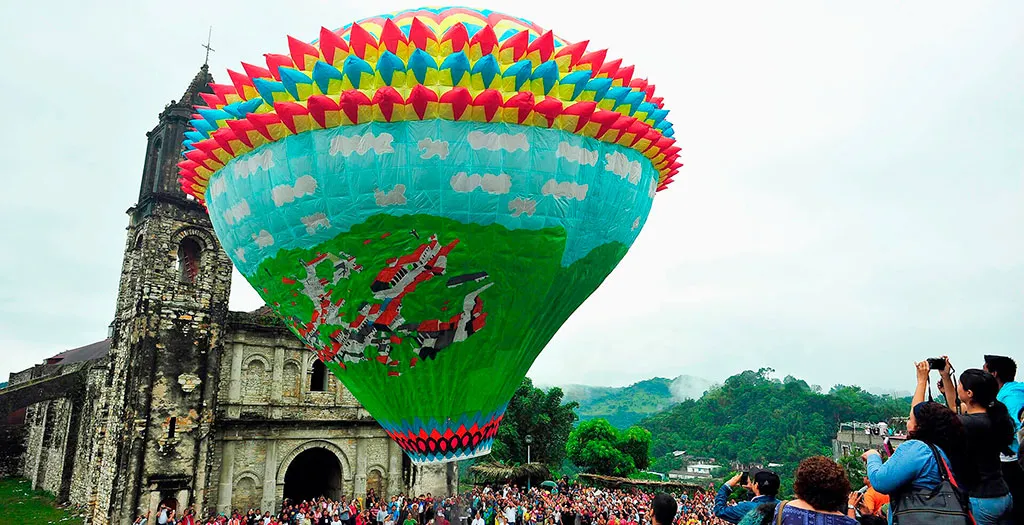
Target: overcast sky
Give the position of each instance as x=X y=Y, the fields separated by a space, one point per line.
x=852 y=198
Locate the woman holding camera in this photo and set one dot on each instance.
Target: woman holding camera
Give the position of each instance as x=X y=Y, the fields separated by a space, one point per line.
x=914 y=467
x=990 y=431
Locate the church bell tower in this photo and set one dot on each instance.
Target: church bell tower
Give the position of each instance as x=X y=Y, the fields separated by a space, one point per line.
x=171 y=308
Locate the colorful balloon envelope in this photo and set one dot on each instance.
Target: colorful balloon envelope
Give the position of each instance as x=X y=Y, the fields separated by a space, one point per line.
x=424 y=198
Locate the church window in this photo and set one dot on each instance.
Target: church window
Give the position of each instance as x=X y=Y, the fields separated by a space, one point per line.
x=158 y=160
x=189 y=254
x=318 y=380
x=171 y=427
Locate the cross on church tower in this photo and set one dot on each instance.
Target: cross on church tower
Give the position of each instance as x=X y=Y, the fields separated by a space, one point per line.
x=206 y=46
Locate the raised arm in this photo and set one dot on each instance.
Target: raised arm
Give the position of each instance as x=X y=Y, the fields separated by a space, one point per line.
x=948 y=391
x=901 y=469
x=922 y=383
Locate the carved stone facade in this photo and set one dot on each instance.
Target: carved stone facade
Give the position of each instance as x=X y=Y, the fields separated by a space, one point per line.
x=188 y=403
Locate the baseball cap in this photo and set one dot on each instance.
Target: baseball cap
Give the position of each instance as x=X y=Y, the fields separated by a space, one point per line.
x=767 y=481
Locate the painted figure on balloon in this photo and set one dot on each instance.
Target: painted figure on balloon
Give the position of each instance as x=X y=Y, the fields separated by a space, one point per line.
x=379 y=326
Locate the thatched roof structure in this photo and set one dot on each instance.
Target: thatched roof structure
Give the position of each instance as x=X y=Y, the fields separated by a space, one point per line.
x=494 y=472
x=614 y=482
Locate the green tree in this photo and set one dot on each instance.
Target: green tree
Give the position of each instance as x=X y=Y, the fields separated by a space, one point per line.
x=636 y=443
x=599 y=448
x=855 y=470
x=753 y=418
x=542 y=415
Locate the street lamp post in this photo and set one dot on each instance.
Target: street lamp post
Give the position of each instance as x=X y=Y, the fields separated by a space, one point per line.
x=529 y=441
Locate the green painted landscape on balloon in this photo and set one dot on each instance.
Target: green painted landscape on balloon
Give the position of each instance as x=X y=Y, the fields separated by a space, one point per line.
x=517 y=275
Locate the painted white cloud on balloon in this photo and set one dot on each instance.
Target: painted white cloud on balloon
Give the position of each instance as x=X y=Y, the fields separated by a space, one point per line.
x=393 y=197
x=654 y=187
x=493 y=184
x=361 y=144
x=519 y=206
x=431 y=148
x=263 y=239
x=237 y=212
x=250 y=164
x=576 y=154
x=218 y=186
x=315 y=221
x=284 y=194
x=498 y=141
x=569 y=190
x=240 y=254
x=619 y=164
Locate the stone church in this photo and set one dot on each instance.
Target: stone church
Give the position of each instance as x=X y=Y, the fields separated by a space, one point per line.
x=187 y=403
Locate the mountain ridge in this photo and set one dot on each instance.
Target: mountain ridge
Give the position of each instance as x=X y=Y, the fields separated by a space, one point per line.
x=626 y=405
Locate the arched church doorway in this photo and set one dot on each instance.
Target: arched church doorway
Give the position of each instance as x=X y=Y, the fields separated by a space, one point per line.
x=313 y=473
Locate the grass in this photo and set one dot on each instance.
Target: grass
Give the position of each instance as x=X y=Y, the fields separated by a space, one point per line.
x=23 y=505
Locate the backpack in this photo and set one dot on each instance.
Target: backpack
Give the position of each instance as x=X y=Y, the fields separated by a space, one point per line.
x=947 y=504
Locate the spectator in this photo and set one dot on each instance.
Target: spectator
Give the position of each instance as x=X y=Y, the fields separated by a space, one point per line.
x=763 y=514
x=1011 y=394
x=764 y=484
x=822 y=490
x=873 y=501
x=990 y=432
x=663 y=509
x=913 y=466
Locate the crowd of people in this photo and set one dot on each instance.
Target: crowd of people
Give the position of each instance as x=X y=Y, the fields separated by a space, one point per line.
x=960 y=462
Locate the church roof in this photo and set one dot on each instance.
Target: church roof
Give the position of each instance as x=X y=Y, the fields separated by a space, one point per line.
x=263 y=310
x=89 y=352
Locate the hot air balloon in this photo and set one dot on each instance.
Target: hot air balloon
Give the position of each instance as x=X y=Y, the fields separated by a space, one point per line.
x=424 y=198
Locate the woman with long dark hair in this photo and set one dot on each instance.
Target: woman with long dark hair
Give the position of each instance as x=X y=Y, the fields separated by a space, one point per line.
x=990 y=431
x=913 y=467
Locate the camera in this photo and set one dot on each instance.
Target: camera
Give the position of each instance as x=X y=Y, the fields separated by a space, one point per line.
x=745 y=478
x=936 y=363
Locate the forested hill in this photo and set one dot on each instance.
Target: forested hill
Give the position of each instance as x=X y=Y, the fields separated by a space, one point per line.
x=624 y=406
x=753 y=418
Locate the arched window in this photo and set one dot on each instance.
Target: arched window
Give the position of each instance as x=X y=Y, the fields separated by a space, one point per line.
x=318 y=380
x=189 y=254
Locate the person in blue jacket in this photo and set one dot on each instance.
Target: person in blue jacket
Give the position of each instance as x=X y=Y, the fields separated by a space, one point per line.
x=764 y=484
x=912 y=465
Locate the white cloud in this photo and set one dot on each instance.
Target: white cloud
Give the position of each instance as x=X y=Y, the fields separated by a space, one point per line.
x=636 y=223
x=394 y=197
x=218 y=186
x=360 y=144
x=317 y=220
x=653 y=190
x=565 y=189
x=576 y=154
x=237 y=212
x=519 y=206
x=240 y=254
x=263 y=239
x=253 y=162
x=433 y=148
x=284 y=194
x=498 y=141
x=619 y=164
x=493 y=184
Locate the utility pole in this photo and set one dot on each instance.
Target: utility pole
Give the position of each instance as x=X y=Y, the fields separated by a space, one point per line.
x=529 y=441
